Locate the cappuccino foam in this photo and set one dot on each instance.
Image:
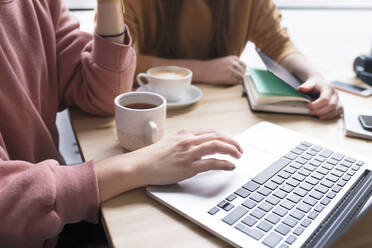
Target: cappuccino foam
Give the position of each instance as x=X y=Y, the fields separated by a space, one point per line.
x=168 y=74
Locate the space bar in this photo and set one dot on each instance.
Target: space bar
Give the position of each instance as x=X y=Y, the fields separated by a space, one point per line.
x=271 y=171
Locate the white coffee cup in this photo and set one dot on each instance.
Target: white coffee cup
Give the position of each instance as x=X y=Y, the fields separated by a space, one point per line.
x=140 y=119
x=171 y=82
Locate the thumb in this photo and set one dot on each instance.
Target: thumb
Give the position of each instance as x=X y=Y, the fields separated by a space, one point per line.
x=308 y=86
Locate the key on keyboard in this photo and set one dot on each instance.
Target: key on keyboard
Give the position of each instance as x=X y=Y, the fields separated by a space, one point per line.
x=283 y=199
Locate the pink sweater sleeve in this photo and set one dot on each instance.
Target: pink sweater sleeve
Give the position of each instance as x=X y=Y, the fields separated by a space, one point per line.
x=36 y=200
x=92 y=72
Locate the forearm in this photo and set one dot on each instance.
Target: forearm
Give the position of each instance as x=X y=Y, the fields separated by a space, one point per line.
x=118 y=174
x=110 y=20
x=299 y=66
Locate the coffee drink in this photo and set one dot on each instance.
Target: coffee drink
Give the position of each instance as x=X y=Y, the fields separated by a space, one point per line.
x=169 y=74
x=140 y=119
x=140 y=105
x=172 y=82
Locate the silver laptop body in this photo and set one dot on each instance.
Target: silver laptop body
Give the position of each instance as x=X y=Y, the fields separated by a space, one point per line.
x=225 y=204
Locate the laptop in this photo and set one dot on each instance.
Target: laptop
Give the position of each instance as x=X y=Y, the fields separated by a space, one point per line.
x=288 y=190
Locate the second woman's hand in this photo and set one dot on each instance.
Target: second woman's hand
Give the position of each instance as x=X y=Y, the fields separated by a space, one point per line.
x=227 y=70
x=169 y=161
x=327 y=105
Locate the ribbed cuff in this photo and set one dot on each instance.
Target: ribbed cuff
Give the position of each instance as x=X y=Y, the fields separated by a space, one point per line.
x=111 y=55
x=77 y=193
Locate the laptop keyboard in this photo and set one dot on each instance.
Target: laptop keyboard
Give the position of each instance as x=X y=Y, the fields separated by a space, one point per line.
x=284 y=199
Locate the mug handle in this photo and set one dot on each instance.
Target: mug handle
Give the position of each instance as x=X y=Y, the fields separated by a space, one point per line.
x=139 y=79
x=152 y=132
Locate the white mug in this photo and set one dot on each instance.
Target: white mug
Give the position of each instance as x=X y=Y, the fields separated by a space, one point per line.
x=140 y=119
x=169 y=81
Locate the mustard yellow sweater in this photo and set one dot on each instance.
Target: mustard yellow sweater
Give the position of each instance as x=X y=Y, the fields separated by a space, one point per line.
x=250 y=20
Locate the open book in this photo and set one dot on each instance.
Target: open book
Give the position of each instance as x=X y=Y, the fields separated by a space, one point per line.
x=268 y=93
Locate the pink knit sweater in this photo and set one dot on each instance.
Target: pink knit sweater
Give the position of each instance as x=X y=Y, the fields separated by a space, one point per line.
x=47 y=64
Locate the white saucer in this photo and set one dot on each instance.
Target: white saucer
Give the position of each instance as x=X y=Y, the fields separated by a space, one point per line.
x=192 y=95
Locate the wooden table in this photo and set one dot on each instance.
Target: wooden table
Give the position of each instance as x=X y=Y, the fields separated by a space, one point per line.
x=135 y=220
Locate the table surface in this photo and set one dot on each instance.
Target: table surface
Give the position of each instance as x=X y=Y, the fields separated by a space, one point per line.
x=133 y=219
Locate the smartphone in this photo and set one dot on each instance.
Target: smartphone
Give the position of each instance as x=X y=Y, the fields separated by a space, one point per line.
x=354 y=89
x=366 y=121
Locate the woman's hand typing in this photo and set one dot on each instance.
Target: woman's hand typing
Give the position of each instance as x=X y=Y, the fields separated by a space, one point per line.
x=169 y=161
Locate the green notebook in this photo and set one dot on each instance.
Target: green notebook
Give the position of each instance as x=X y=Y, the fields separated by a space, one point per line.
x=267 y=84
x=268 y=93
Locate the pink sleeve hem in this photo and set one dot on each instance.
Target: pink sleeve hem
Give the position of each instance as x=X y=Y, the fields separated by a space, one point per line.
x=111 y=55
x=76 y=193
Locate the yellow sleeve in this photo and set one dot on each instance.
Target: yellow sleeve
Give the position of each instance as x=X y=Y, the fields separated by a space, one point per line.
x=132 y=14
x=267 y=34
